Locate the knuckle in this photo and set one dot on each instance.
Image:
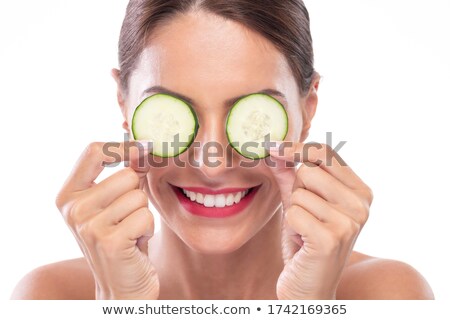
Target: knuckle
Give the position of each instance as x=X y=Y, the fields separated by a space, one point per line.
x=83 y=230
x=307 y=172
x=64 y=203
x=359 y=210
x=331 y=243
x=364 y=218
x=350 y=228
x=359 y=207
x=304 y=171
x=345 y=232
x=355 y=227
x=150 y=217
x=87 y=231
x=298 y=195
x=140 y=197
x=73 y=214
x=69 y=216
x=369 y=195
x=60 y=201
x=146 y=215
x=93 y=149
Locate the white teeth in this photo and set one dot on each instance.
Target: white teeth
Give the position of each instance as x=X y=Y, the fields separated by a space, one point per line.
x=237 y=197
x=209 y=201
x=200 y=198
x=230 y=200
x=218 y=200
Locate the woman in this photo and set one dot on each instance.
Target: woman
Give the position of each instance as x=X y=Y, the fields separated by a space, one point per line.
x=291 y=236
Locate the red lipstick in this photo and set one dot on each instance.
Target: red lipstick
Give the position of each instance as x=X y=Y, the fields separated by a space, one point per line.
x=198 y=209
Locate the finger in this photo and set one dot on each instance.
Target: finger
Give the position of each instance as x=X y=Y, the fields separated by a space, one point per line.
x=93 y=201
x=332 y=217
x=113 y=187
x=317 y=206
x=304 y=223
x=284 y=177
x=98 y=155
x=317 y=180
x=123 y=206
x=138 y=224
x=321 y=155
x=138 y=157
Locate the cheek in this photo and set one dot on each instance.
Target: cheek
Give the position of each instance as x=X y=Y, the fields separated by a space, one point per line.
x=157 y=188
x=295 y=124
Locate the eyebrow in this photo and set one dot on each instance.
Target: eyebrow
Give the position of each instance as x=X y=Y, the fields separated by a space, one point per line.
x=228 y=103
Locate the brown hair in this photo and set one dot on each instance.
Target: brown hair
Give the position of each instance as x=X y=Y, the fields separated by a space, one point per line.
x=284 y=22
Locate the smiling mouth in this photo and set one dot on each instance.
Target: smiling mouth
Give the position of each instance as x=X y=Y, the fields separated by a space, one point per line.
x=210 y=203
x=216 y=200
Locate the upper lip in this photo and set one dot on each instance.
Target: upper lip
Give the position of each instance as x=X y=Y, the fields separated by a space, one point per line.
x=205 y=190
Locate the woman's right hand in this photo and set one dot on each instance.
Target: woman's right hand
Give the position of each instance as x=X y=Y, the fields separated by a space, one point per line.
x=112 y=223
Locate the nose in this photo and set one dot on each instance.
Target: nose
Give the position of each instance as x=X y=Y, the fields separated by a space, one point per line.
x=212 y=154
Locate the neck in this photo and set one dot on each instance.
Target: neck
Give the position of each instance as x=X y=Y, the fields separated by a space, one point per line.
x=251 y=272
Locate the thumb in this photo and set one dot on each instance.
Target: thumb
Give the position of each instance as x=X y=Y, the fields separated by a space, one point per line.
x=284 y=174
x=139 y=158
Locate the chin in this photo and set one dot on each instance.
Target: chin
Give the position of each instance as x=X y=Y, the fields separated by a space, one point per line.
x=214 y=242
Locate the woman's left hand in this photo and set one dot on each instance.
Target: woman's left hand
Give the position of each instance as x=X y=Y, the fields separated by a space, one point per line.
x=325 y=206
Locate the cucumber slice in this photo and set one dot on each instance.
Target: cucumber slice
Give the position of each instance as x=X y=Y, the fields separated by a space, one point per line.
x=169 y=123
x=251 y=119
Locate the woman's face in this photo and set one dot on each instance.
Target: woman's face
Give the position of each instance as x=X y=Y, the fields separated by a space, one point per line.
x=211 y=60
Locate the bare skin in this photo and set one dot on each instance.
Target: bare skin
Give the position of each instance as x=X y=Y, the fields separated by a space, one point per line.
x=301 y=249
x=364 y=277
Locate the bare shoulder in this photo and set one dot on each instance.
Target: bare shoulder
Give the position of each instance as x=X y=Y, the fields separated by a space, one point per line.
x=64 y=280
x=367 y=277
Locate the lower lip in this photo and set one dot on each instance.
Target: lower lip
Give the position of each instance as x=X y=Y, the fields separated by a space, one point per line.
x=214 y=212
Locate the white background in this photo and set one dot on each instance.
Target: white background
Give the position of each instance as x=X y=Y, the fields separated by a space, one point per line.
x=385 y=91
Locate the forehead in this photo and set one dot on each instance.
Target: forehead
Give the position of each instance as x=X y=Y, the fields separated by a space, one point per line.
x=200 y=53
